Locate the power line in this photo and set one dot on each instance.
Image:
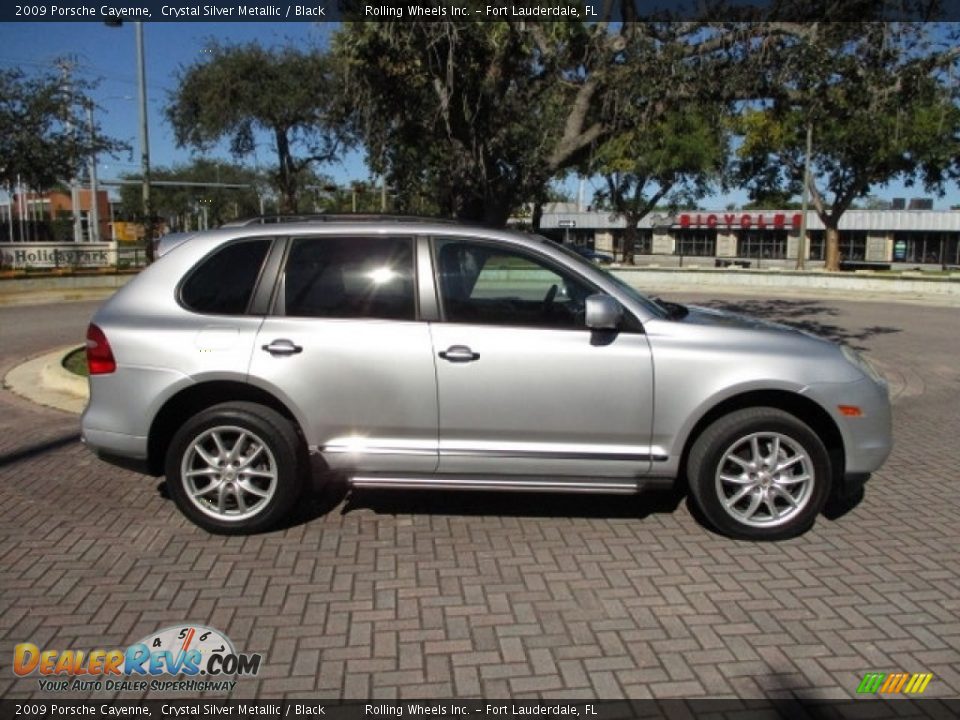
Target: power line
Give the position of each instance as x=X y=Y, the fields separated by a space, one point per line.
x=104 y=74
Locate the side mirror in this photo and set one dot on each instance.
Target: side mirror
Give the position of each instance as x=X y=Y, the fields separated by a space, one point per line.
x=603 y=312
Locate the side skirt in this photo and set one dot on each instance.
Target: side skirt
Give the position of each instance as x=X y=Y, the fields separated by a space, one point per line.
x=514 y=483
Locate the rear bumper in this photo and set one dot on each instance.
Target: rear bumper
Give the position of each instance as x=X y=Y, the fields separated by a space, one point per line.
x=126 y=451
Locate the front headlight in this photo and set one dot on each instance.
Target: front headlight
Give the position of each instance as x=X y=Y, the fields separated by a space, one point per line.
x=855 y=358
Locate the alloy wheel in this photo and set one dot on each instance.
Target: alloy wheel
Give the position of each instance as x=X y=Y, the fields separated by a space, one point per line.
x=229 y=473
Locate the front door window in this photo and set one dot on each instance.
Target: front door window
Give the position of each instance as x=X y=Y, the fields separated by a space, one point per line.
x=489 y=285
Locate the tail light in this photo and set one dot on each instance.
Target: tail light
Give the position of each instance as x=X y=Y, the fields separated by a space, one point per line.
x=99 y=355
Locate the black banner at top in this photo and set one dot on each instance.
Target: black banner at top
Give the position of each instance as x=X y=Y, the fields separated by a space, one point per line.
x=473 y=11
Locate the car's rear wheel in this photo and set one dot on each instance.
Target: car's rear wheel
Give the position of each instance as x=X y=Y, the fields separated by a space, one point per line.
x=759 y=474
x=235 y=468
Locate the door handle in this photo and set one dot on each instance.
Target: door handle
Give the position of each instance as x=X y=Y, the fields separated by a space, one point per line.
x=282 y=347
x=459 y=353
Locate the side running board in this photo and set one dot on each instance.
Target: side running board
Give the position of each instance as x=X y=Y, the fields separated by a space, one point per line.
x=521 y=483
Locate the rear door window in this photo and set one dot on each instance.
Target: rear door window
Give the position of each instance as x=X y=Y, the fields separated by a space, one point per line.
x=350 y=277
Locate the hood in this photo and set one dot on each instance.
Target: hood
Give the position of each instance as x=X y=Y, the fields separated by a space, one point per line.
x=721 y=318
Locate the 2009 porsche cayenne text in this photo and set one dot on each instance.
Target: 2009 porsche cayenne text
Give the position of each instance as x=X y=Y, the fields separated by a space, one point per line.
x=401 y=353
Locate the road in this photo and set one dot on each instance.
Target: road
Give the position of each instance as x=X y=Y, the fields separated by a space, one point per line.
x=385 y=595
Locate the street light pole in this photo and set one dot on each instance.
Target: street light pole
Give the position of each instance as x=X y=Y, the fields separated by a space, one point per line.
x=144 y=143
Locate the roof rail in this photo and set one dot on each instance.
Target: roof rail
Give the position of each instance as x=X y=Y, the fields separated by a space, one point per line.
x=335 y=217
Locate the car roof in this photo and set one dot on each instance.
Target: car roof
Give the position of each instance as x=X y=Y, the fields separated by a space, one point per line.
x=166 y=243
x=431 y=227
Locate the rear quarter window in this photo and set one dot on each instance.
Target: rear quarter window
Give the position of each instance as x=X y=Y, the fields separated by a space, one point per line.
x=222 y=283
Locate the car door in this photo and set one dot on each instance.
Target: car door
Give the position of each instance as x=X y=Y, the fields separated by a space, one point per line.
x=523 y=386
x=344 y=345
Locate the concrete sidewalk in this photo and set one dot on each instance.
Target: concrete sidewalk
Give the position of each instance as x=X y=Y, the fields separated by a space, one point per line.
x=870 y=287
x=45 y=381
x=46 y=297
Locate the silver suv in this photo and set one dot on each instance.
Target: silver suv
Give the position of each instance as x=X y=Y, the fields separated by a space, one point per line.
x=399 y=353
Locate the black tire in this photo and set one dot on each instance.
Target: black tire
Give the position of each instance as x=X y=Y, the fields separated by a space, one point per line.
x=777 y=432
x=282 y=456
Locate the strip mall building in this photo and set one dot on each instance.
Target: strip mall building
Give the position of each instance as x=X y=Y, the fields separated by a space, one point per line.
x=768 y=238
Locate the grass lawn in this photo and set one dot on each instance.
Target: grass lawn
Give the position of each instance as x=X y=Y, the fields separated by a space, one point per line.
x=76 y=362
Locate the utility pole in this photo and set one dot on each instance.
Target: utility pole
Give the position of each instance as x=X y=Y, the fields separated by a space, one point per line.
x=144 y=144
x=383 y=194
x=20 y=207
x=66 y=67
x=94 y=218
x=144 y=136
x=802 y=242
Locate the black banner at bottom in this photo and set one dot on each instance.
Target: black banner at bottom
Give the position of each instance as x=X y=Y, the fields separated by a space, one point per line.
x=863 y=709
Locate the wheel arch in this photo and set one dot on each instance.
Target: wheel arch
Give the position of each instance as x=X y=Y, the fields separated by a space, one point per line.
x=803 y=408
x=195 y=398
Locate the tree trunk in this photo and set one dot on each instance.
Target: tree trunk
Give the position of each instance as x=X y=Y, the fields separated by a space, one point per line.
x=286 y=174
x=832 y=250
x=629 y=239
x=496 y=213
x=150 y=246
x=475 y=208
x=538 y=216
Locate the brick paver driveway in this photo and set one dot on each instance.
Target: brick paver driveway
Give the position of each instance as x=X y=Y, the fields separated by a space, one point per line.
x=389 y=595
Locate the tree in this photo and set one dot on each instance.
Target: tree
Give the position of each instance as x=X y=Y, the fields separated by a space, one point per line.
x=45 y=137
x=486 y=114
x=242 y=89
x=677 y=158
x=878 y=101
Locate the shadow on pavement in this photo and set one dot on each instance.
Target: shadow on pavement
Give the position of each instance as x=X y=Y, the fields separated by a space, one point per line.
x=806 y=315
x=39 y=449
x=840 y=504
x=317 y=503
x=512 y=504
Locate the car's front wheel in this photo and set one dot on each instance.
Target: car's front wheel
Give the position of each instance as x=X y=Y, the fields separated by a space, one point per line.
x=235 y=468
x=759 y=474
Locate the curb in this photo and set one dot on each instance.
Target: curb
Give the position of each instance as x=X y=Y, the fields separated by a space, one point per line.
x=47 y=297
x=44 y=380
x=944 y=291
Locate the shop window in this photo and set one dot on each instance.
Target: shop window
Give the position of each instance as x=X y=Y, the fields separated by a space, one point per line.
x=817 y=243
x=766 y=244
x=698 y=243
x=931 y=248
x=644 y=243
x=853 y=245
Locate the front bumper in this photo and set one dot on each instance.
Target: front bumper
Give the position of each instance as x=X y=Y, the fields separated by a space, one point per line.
x=867 y=439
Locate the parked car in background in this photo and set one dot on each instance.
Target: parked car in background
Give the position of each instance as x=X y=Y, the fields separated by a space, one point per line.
x=413 y=354
x=591 y=254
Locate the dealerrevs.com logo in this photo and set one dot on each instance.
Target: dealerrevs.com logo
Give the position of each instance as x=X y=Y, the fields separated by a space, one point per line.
x=202 y=657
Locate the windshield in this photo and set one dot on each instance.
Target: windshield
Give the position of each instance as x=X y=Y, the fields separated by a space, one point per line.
x=651 y=305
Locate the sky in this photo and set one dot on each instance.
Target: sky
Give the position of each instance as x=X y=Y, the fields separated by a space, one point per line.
x=108 y=54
